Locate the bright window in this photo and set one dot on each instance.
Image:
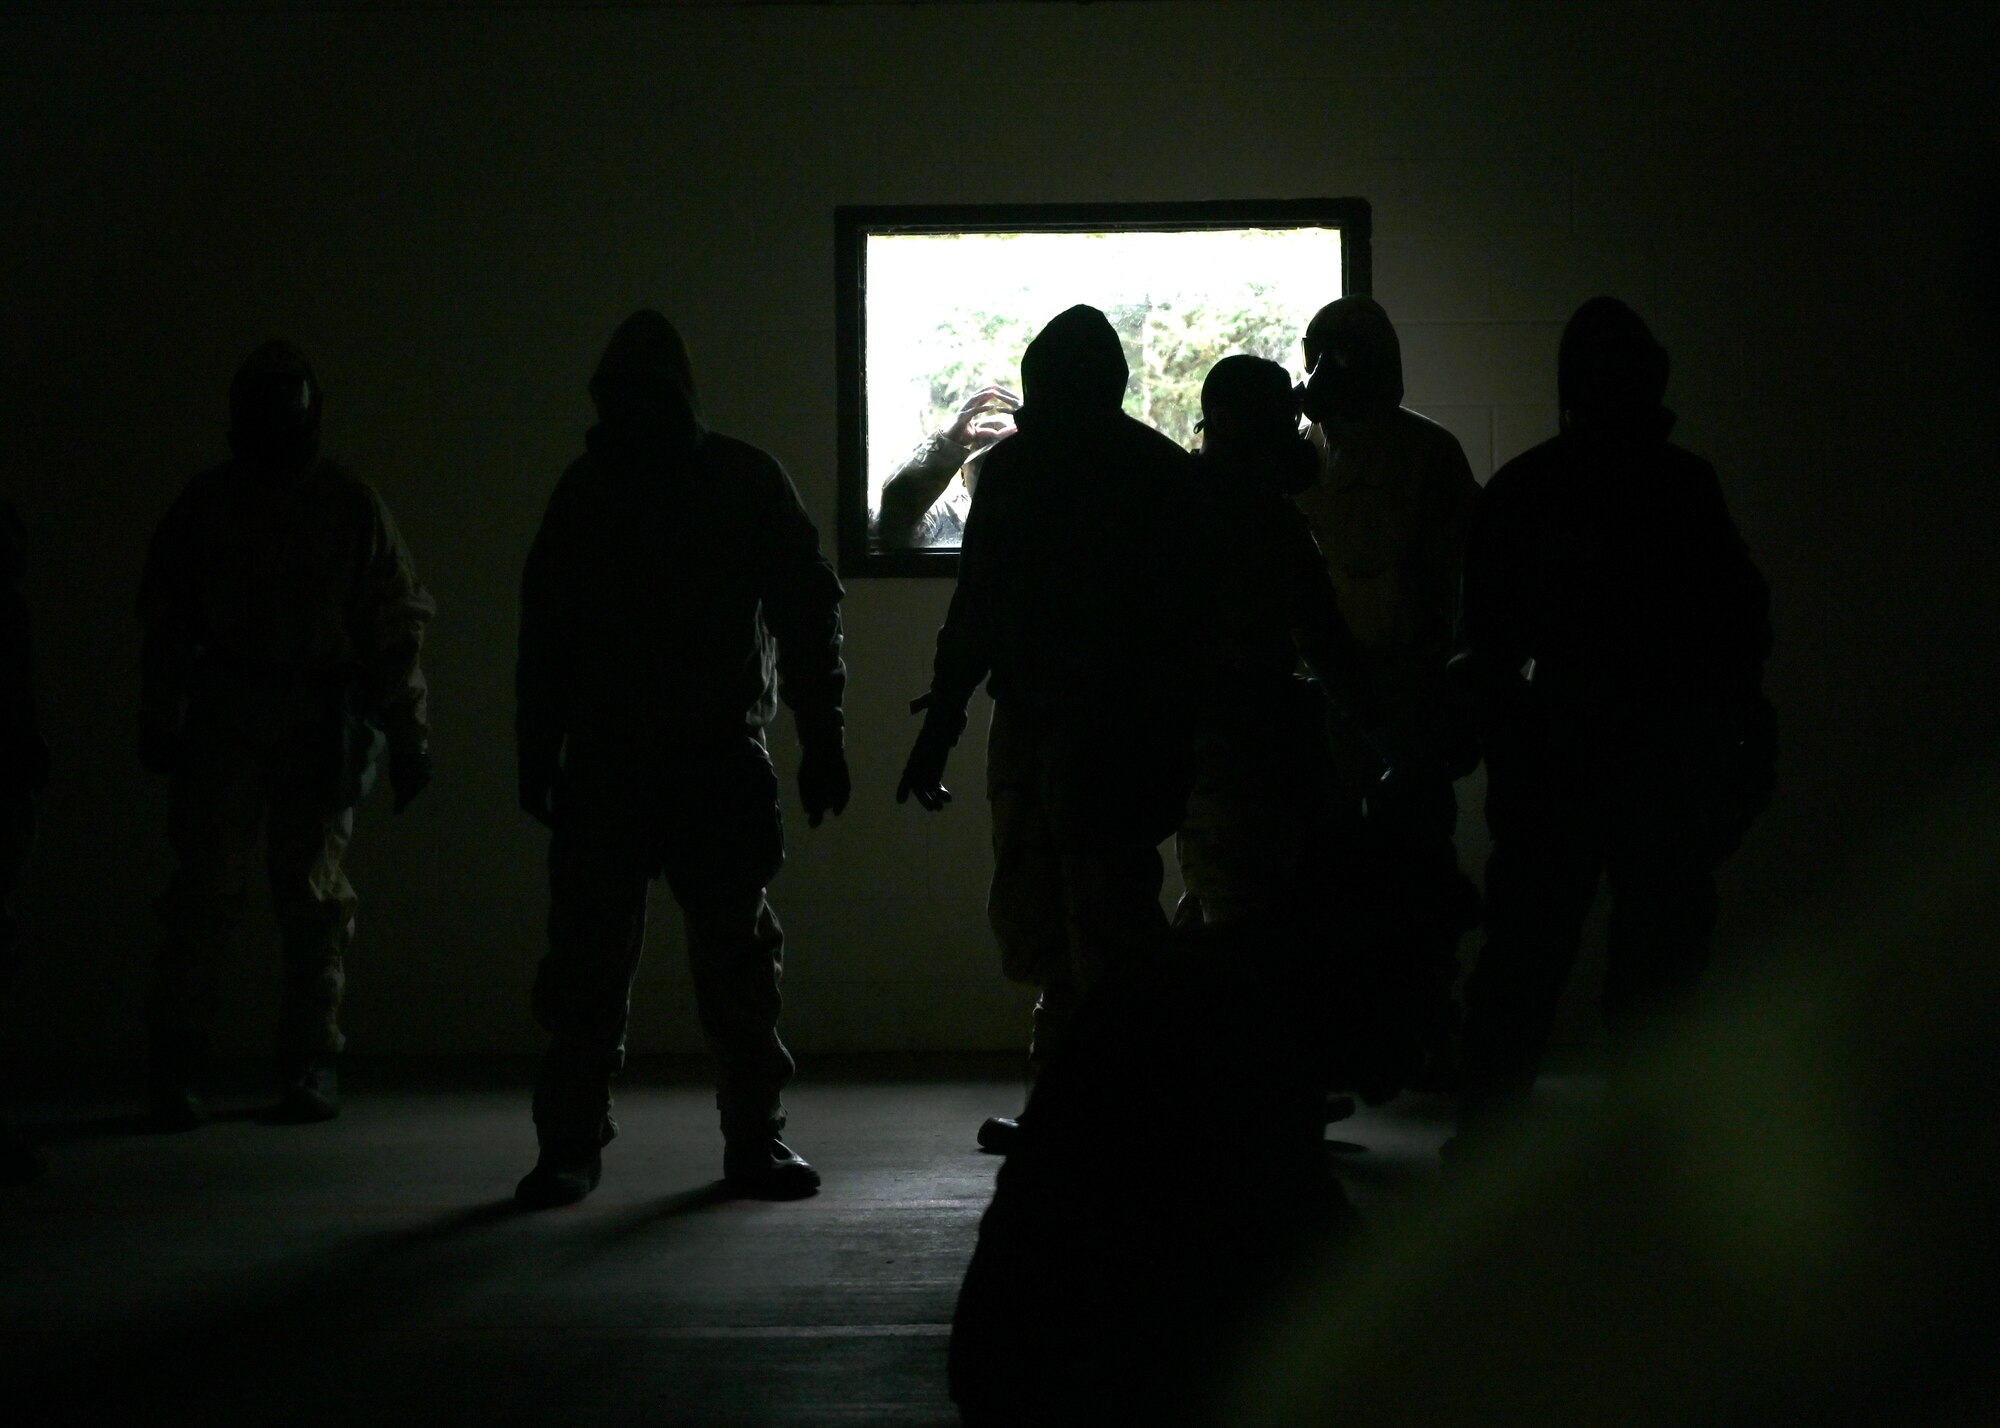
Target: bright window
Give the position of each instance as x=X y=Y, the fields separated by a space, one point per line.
x=937 y=306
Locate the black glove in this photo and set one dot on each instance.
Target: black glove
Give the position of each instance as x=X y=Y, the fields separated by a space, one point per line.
x=824 y=785
x=160 y=749
x=410 y=767
x=923 y=774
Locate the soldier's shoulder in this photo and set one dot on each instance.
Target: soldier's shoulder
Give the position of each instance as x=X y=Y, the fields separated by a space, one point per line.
x=1156 y=447
x=207 y=486
x=1687 y=464
x=1528 y=468
x=1422 y=428
x=1435 y=444
x=730 y=453
x=349 y=492
x=338 y=477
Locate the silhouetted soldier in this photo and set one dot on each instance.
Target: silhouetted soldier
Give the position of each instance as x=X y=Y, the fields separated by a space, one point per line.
x=1264 y=805
x=1073 y=596
x=283 y=627
x=1390 y=509
x=24 y=773
x=1613 y=633
x=668 y=560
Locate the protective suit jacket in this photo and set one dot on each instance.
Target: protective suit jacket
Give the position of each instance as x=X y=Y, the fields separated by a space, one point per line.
x=1390 y=511
x=1611 y=610
x=1273 y=602
x=1074 y=594
x=271 y=604
x=674 y=593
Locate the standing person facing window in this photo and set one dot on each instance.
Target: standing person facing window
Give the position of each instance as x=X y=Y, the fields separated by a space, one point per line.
x=1075 y=608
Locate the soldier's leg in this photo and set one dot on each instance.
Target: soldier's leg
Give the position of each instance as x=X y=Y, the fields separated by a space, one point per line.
x=1112 y=893
x=736 y=951
x=315 y=906
x=724 y=847
x=1111 y=804
x=736 y=955
x=1661 y=871
x=1024 y=902
x=1540 y=879
x=583 y=986
x=216 y=807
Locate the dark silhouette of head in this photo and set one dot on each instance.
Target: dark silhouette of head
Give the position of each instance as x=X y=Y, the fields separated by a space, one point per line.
x=1250 y=423
x=644 y=384
x=1611 y=374
x=1075 y=367
x=1356 y=362
x=274 y=409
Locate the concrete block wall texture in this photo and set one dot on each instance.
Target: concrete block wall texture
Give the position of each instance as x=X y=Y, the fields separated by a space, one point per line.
x=451 y=208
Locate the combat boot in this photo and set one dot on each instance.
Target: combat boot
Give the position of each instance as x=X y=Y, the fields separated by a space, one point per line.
x=174 y=1098
x=560 y=1177
x=311 y=1091
x=762 y=1167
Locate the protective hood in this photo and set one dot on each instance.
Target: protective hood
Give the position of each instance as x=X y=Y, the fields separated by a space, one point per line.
x=1611 y=374
x=1357 y=361
x=274 y=409
x=1075 y=367
x=644 y=388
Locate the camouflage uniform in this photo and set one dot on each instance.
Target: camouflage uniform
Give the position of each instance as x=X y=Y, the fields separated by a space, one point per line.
x=283 y=626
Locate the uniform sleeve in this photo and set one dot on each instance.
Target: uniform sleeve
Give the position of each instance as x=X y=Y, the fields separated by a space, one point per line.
x=545 y=654
x=168 y=618
x=391 y=610
x=905 y=520
x=1451 y=495
x=801 y=603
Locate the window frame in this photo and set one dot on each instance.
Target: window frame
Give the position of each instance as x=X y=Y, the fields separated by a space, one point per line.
x=854 y=224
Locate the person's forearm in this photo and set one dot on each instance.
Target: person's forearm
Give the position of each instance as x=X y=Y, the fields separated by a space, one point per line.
x=914 y=489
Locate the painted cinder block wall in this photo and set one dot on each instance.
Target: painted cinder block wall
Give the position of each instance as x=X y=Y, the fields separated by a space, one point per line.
x=450 y=209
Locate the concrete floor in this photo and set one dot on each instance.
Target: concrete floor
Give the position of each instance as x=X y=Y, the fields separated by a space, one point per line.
x=374 y=1271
